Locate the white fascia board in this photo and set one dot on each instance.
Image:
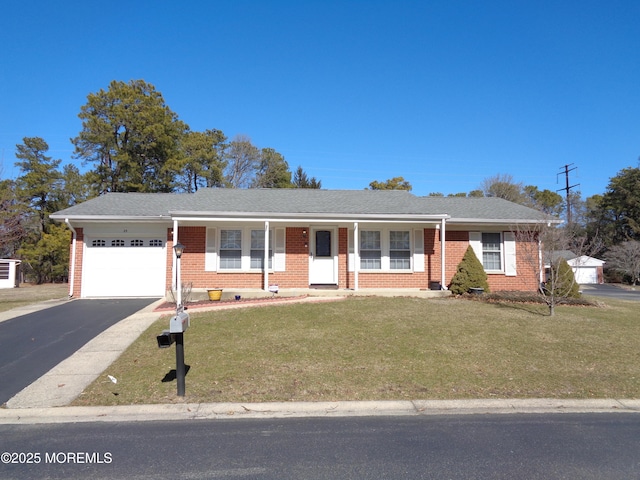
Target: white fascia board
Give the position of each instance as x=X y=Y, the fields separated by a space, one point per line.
x=465 y=221
x=304 y=217
x=110 y=218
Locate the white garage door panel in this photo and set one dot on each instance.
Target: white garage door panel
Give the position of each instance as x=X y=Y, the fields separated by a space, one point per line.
x=124 y=271
x=585 y=275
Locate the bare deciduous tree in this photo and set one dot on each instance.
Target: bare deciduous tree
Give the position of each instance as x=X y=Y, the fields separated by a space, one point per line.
x=625 y=258
x=243 y=160
x=544 y=248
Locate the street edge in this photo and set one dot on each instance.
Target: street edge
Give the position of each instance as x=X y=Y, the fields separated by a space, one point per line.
x=225 y=411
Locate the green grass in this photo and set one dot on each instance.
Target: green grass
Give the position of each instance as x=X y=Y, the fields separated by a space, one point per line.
x=387 y=348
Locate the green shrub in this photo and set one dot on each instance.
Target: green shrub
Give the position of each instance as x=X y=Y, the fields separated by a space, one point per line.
x=564 y=284
x=470 y=274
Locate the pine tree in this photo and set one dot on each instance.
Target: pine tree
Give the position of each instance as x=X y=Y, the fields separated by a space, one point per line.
x=470 y=274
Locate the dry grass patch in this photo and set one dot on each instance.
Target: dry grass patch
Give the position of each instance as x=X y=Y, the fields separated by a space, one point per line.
x=27 y=294
x=386 y=348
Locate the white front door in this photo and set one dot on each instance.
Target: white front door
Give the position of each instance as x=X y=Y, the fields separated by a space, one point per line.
x=323 y=257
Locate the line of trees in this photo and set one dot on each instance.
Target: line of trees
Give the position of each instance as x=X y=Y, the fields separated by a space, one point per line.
x=130 y=141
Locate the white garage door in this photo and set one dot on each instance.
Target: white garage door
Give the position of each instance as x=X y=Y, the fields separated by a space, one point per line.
x=124 y=267
x=585 y=275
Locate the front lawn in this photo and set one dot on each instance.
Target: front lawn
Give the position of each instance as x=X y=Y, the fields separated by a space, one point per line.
x=386 y=348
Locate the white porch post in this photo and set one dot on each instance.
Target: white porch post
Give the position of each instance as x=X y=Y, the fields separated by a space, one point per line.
x=356 y=256
x=174 y=264
x=266 y=255
x=443 y=275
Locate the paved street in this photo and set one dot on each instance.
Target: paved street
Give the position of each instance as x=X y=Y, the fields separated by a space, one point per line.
x=32 y=344
x=553 y=446
x=611 y=291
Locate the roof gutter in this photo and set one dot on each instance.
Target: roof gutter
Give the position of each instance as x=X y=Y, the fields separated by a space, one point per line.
x=114 y=218
x=305 y=217
x=507 y=221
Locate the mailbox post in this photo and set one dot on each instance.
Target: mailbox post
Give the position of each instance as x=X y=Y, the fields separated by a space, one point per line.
x=178 y=324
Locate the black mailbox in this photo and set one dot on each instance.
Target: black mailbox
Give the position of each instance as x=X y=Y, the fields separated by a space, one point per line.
x=165 y=339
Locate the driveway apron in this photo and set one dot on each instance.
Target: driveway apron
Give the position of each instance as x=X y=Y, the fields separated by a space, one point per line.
x=32 y=344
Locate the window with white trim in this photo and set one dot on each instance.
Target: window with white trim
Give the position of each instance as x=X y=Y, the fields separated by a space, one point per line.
x=385 y=250
x=230 y=249
x=98 y=243
x=257 y=249
x=370 y=250
x=117 y=243
x=156 y=243
x=400 y=250
x=137 y=242
x=491 y=251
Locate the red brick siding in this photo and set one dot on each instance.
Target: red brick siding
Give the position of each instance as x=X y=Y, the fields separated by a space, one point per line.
x=297 y=264
x=76 y=286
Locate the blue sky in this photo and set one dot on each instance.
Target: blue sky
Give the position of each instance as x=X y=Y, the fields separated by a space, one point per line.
x=443 y=93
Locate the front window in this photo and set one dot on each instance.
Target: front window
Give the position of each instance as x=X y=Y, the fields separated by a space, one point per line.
x=491 y=253
x=399 y=250
x=370 y=250
x=231 y=249
x=257 y=249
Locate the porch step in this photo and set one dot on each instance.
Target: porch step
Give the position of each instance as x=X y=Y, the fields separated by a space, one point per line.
x=323 y=286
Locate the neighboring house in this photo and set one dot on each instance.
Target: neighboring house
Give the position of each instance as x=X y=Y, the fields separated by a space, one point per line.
x=587 y=270
x=9 y=273
x=122 y=243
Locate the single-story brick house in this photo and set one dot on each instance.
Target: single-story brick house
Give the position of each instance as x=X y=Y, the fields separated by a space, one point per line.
x=122 y=243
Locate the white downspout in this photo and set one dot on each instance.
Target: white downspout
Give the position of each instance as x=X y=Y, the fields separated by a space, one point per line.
x=174 y=261
x=443 y=275
x=72 y=267
x=266 y=255
x=541 y=268
x=356 y=256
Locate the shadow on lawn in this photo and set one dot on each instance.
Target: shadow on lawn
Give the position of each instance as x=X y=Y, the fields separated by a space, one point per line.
x=170 y=376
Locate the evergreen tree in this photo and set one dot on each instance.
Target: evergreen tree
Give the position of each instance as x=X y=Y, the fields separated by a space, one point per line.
x=469 y=274
x=563 y=281
x=40 y=181
x=132 y=137
x=302 y=180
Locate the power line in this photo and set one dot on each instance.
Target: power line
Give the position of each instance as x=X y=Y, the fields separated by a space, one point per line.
x=567 y=188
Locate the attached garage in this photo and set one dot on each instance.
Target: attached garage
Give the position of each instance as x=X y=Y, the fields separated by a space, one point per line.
x=125 y=265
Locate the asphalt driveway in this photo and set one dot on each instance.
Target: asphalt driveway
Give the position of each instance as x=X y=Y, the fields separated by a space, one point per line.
x=611 y=291
x=32 y=344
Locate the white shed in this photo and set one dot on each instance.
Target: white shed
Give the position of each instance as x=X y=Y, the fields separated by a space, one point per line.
x=587 y=270
x=9 y=273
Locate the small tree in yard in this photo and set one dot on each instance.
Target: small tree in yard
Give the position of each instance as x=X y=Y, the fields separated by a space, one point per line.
x=563 y=281
x=539 y=247
x=470 y=274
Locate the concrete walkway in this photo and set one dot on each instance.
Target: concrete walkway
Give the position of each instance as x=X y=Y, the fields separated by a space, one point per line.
x=46 y=400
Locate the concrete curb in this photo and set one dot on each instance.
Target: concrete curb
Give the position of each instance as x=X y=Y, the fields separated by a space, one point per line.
x=225 y=411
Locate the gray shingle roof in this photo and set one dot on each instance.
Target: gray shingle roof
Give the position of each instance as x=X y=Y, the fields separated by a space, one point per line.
x=267 y=202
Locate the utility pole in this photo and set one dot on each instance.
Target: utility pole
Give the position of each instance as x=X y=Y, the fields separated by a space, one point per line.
x=567 y=189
